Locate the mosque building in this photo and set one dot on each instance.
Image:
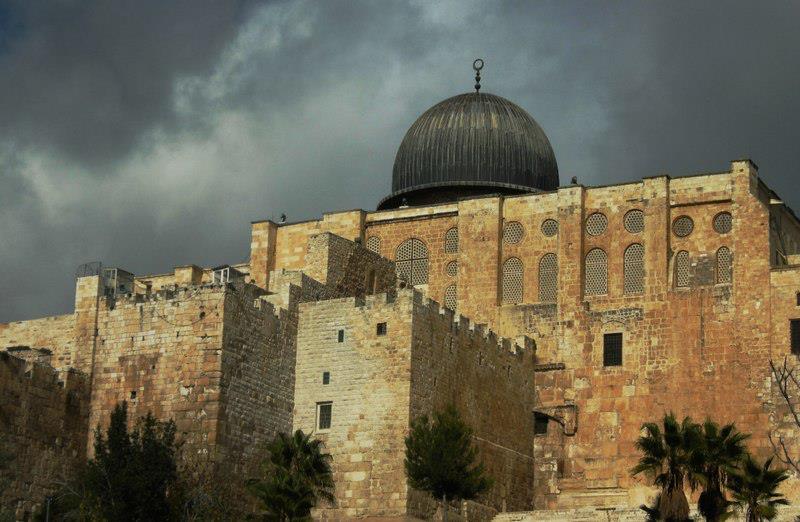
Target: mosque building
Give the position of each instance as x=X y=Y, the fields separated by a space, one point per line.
x=556 y=317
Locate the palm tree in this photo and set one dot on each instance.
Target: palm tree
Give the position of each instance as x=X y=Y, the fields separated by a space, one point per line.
x=297 y=475
x=667 y=458
x=754 y=489
x=718 y=455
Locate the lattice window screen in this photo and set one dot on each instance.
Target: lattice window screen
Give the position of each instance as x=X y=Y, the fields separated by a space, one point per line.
x=549 y=227
x=452 y=268
x=451 y=241
x=596 y=272
x=682 y=226
x=374 y=244
x=724 y=265
x=634 y=269
x=411 y=261
x=451 y=297
x=513 y=272
x=723 y=222
x=634 y=221
x=548 y=278
x=682 y=269
x=513 y=232
x=596 y=224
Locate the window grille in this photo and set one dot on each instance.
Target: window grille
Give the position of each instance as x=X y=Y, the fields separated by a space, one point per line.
x=634 y=221
x=451 y=241
x=682 y=226
x=540 y=422
x=452 y=268
x=794 y=329
x=374 y=244
x=549 y=227
x=596 y=272
x=411 y=261
x=724 y=265
x=451 y=297
x=548 y=278
x=324 y=415
x=723 y=222
x=682 y=269
x=634 y=269
x=326 y=377
x=512 y=281
x=381 y=329
x=513 y=232
x=596 y=224
x=612 y=349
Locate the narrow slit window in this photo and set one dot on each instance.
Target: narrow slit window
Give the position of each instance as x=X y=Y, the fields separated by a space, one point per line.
x=340 y=336
x=326 y=377
x=794 y=327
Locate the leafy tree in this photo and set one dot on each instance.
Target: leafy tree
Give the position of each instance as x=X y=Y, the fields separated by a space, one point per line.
x=754 y=489
x=667 y=458
x=296 y=476
x=716 y=457
x=440 y=458
x=128 y=479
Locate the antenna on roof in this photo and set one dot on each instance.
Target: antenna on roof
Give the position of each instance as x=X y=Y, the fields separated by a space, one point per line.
x=477 y=65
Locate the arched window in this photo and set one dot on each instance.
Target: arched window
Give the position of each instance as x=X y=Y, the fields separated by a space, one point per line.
x=513 y=272
x=724 y=265
x=411 y=261
x=451 y=241
x=374 y=244
x=596 y=272
x=634 y=269
x=451 y=297
x=548 y=278
x=682 y=269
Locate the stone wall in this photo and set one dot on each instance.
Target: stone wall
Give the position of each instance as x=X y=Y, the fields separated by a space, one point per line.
x=377 y=383
x=53 y=333
x=44 y=417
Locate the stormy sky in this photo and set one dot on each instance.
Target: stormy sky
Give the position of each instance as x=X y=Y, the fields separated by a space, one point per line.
x=149 y=134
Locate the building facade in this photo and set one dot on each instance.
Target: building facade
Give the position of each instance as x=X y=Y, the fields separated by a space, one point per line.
x=557 y=319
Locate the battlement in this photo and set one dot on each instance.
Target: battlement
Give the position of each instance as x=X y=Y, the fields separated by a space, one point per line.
x=30 y=364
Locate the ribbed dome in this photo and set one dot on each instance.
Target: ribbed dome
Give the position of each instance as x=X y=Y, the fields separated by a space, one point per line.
x=471 y=144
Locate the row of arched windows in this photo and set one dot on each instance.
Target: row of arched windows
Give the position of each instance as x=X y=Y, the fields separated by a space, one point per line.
x=723 y=268
x=513 y=279
x=596 y=271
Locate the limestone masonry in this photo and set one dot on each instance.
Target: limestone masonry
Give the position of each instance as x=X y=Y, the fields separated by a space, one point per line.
x=556 y=321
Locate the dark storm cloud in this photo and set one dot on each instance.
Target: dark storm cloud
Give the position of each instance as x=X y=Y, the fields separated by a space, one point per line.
x=148 y=134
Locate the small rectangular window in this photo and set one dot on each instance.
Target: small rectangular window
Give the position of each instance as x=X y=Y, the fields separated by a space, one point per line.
x=324 y=415
x=794 y=327
x=381 y=329
x=326 y=377
x=540 y=422
x=341 y=336
x=797 y=297
x=612 y=349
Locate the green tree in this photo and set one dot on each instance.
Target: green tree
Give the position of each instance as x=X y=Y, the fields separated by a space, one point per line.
x=717 y=456
x=441 y=459
x=667 y=458
x=296 y=477
x=754 y=489
x=129 y=478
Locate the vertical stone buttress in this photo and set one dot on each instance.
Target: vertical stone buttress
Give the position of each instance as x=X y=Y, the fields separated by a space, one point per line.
x=570 y=273
x=262 y=252
x=88 y=291
x=479 y=235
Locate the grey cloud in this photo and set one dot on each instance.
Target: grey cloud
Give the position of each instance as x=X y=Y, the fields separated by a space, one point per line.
x=149 y=134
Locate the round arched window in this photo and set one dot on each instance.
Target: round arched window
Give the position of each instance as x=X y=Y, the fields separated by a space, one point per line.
x=411 y=261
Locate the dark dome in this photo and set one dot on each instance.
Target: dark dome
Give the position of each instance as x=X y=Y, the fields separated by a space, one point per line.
x=471 y=144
